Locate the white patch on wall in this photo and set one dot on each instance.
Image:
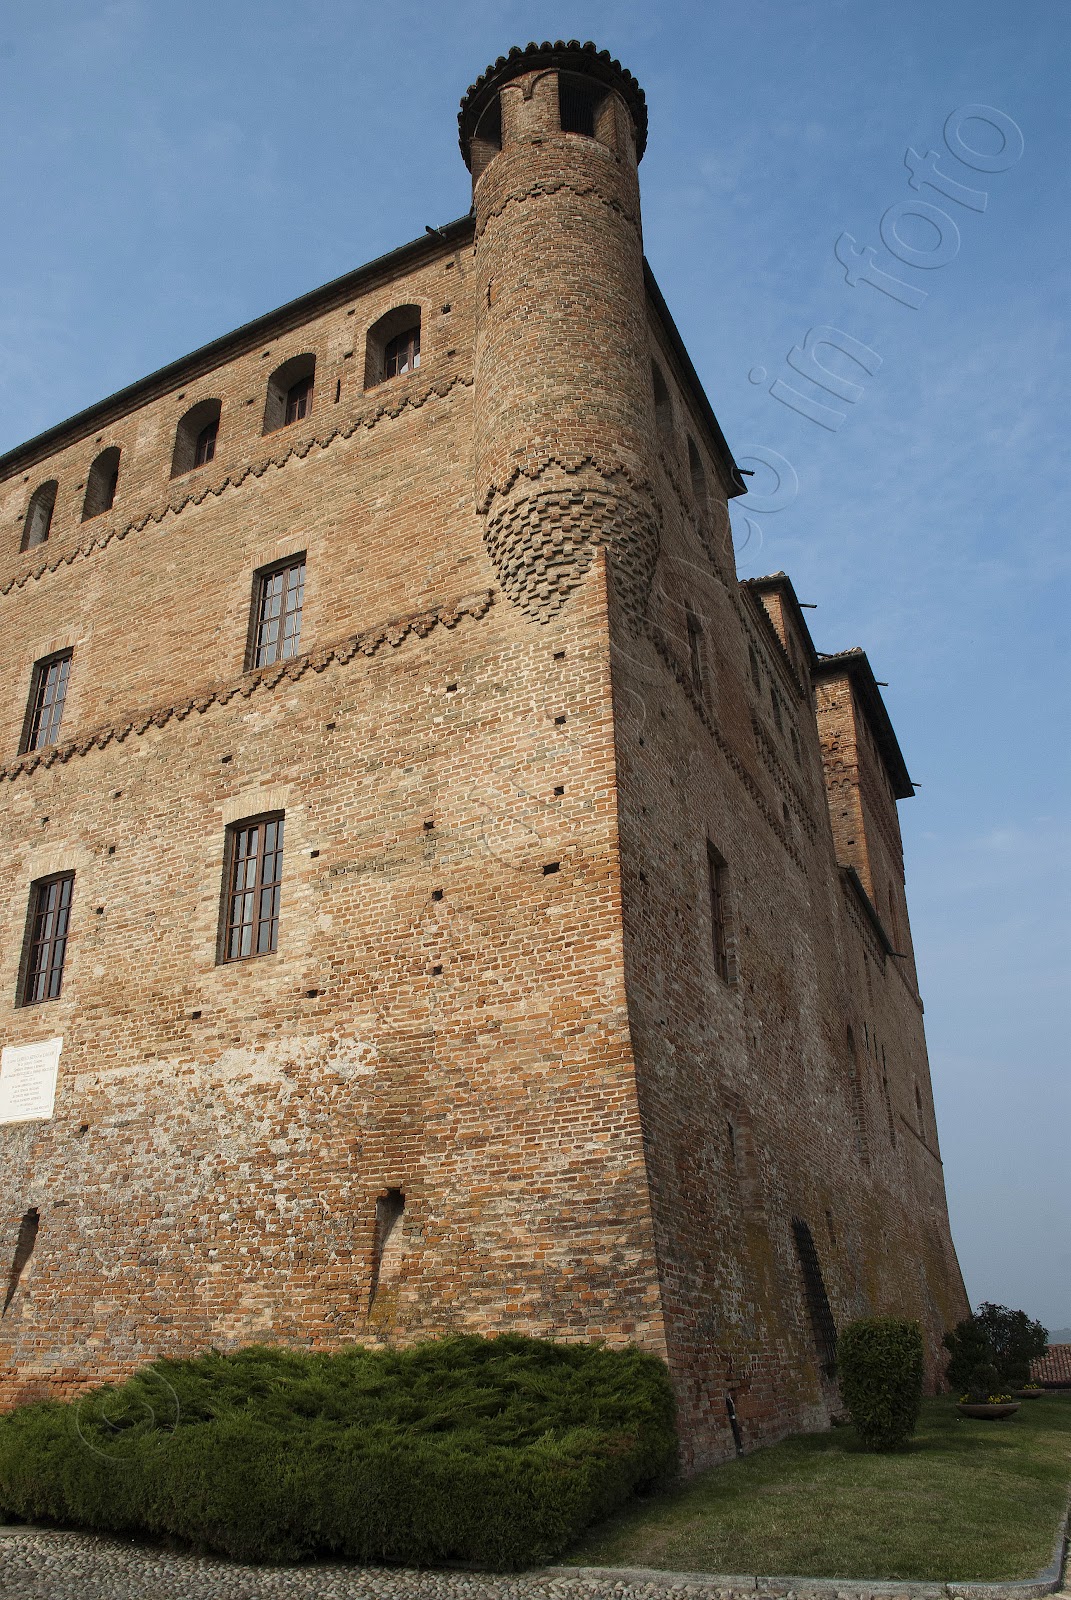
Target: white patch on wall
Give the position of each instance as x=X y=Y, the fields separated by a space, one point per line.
x=28 y=1080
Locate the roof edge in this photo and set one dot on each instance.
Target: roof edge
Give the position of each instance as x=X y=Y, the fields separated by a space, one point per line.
x=780 y=581
x=736 y=484
x=855 y=665
x=212 y=354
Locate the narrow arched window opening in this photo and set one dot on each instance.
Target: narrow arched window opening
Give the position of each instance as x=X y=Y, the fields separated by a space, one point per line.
x=663 y=405
x=195 y=437
x=23 y=1251
x=387 y=1243
x=102 y=483
x=487 y=140
x=290 y=391
x=38 y=524
x=699 y=477
x=393 y=347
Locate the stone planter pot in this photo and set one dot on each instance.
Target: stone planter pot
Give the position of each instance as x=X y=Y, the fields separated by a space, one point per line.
x=994 y=1413
x=1029 y=1394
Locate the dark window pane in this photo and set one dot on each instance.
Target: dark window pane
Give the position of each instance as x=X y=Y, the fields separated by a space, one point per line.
x=50 y=910
x=47 y=695
x=205 y=448
x=277 y=635
x=402 y=354
x=252 y=920
x=298 y=400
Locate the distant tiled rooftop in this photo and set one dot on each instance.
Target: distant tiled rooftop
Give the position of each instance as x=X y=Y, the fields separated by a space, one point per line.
x=1053 y=1369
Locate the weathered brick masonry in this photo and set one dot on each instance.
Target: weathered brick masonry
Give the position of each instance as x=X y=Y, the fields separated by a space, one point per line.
x=534 y=721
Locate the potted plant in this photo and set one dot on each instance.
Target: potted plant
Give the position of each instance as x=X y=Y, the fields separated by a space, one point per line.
x=983 y=1398
x=1029 y=1391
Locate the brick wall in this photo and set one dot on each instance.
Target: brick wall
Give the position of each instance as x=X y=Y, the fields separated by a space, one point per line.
x=529 y=691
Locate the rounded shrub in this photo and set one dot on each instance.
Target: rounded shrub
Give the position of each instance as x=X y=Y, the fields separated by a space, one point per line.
x=879 y=1364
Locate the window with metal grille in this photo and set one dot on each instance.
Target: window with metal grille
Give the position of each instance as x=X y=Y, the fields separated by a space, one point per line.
x=402 y=353
x=46 y=938
x=48 y=691
x=818 y=1307
x=717 y=880
x=38 y=524
x=254 y=872
x=696 y=653
x=278 y=596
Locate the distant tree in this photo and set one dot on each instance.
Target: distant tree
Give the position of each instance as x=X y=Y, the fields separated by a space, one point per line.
x=996 y=1335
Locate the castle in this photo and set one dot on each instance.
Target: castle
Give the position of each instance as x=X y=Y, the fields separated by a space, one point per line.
x=437 y=893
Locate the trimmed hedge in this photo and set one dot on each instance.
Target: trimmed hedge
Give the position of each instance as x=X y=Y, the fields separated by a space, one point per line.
x=879 y=1364
x=493 y=1452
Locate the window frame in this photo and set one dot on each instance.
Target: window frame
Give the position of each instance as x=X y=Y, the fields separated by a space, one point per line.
x=30 y=970
x=231 y=891
x=392 y=348
x=35 y=705
x=261 y=580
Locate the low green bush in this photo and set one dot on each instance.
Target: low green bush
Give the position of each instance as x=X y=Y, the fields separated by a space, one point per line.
x=879 y=1365
x=492 y=1452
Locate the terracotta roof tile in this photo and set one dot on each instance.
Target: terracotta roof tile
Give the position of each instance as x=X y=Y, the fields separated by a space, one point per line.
x=1054 y=1368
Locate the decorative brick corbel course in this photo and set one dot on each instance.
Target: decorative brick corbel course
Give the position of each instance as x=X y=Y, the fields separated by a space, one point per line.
x=176 y=504
x=366 y=643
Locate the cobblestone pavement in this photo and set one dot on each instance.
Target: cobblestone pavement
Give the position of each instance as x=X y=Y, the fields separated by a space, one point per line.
x=74 y=1566
x=39 y=1565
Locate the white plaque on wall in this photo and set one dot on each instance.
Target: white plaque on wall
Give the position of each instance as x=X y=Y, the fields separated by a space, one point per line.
x=28 y=1080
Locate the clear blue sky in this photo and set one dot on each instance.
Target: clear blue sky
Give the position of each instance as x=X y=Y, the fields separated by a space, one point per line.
x=171 y=171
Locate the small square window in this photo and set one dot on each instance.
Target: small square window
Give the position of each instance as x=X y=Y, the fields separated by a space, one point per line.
x=253 y=877
x=46 y=939
x=48 y=691
x=278 y=597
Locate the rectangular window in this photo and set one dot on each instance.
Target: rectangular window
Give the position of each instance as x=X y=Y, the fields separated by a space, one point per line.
x=298 y=401
x=717 y=877
x=46 y=938
x=254 y=873
x=48 y=690
x=278 y=595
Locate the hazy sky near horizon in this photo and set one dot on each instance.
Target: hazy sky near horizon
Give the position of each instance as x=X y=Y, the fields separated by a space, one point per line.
x=171 y=172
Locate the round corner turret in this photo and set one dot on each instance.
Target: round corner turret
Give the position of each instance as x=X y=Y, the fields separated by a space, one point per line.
x=566 y=87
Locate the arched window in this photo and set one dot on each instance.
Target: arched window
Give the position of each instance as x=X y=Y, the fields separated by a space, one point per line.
x=289 y=396
x=584 y=107
x=699 y=477
x=663 y=405
x=195 y=437
x=487 y=140
x=101 y=484
x=38 y=523
x=393 y=347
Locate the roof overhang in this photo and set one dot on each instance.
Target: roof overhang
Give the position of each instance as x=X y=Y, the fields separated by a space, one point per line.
x=853 y=664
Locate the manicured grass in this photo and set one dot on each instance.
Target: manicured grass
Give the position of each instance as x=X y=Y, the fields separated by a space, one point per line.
x=966 y=1500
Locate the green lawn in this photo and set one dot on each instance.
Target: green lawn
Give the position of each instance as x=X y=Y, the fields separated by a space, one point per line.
x=967 y=1500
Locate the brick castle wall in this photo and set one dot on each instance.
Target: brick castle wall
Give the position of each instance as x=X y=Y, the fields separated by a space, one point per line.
x=500 y=753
